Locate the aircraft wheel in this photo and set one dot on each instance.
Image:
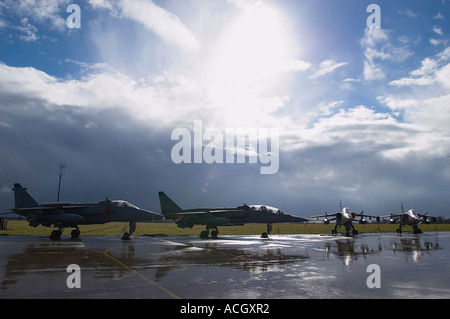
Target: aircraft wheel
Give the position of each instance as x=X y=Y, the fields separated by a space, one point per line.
x=56 y=234
x=264 y=235
x=75 y=233
x=399 y=231
x=126 y=236
x=214 y=234
x=204 y=234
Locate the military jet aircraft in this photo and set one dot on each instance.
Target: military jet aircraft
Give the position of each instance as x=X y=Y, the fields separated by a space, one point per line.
x=213 y=217
x=410 y=218
x=345 y=218
x=67 y=214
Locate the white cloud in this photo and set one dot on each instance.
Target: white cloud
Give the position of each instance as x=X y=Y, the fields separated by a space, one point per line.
x=296 y=65
x=431 y=117
x=426 y=109
x=433 y=71
x=30 y=13
x=245 y=4
x=326 y=67
x=430 y=113
x=102 y=4
x=365 y=133
x=29 y=31
x=372 y=71
x=5 y=189
x=436 y=41
x=438 y=30
x=378 y=47
x=156 y=19
x=104 y=90
x=443 y=76
x=408 y=12
x=439 y=16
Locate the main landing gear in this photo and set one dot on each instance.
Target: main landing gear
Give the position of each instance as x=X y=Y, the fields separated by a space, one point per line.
x=205 y=234
x=347 y=230
x=56 y=234
x=416 y=229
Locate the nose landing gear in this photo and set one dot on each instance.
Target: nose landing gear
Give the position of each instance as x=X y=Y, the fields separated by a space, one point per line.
x=265 y=235
x=127 y=235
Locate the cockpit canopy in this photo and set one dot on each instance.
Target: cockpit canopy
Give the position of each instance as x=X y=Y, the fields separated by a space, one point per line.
x=412 y=213
x=123 y=203
x=268 y=209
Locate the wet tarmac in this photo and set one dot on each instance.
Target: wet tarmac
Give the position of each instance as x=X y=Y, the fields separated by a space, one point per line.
x=236 y=267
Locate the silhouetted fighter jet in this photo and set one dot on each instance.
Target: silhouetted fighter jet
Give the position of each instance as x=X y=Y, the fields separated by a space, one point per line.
x=66 y=214
x=213 y=217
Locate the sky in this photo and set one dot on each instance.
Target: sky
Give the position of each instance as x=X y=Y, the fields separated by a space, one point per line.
x=358 y=96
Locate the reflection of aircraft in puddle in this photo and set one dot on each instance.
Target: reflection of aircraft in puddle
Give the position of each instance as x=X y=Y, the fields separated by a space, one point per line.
x=413 y=246
x=27 y=271
x=345 y=250
x=344 y=218
x=410 y=218
x=220 y=255
x=213 y=217
x=65 y=214
x=25 y=267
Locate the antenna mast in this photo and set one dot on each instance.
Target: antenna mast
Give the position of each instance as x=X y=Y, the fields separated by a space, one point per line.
x=61 y=172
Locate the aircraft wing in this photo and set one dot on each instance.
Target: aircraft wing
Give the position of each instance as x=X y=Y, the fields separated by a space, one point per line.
x=427 y=218
x=35 y=210
x=362 y=217
x=392 y=218
x=225 y=210
x=325 y=216
x=207 y=211
x=45 y=210
x=190 y=213
x=391 y=215
x=362 y=214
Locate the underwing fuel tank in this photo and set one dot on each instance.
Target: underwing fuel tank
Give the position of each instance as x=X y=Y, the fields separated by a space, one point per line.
x=212 y=220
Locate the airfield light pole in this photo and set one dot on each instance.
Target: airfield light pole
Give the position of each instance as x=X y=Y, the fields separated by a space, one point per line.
x=61 y=172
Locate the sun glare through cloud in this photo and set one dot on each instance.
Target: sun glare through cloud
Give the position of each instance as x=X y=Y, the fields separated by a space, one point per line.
x=249 y=63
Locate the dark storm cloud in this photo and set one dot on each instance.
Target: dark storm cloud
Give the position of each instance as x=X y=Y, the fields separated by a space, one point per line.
x=108 y=154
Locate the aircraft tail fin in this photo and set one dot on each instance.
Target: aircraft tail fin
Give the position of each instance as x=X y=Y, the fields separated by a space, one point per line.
x=168 y=206
x=21 y=197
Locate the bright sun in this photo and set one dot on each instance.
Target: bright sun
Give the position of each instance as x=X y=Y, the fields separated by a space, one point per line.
x=253 y=48
x=248 y=61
